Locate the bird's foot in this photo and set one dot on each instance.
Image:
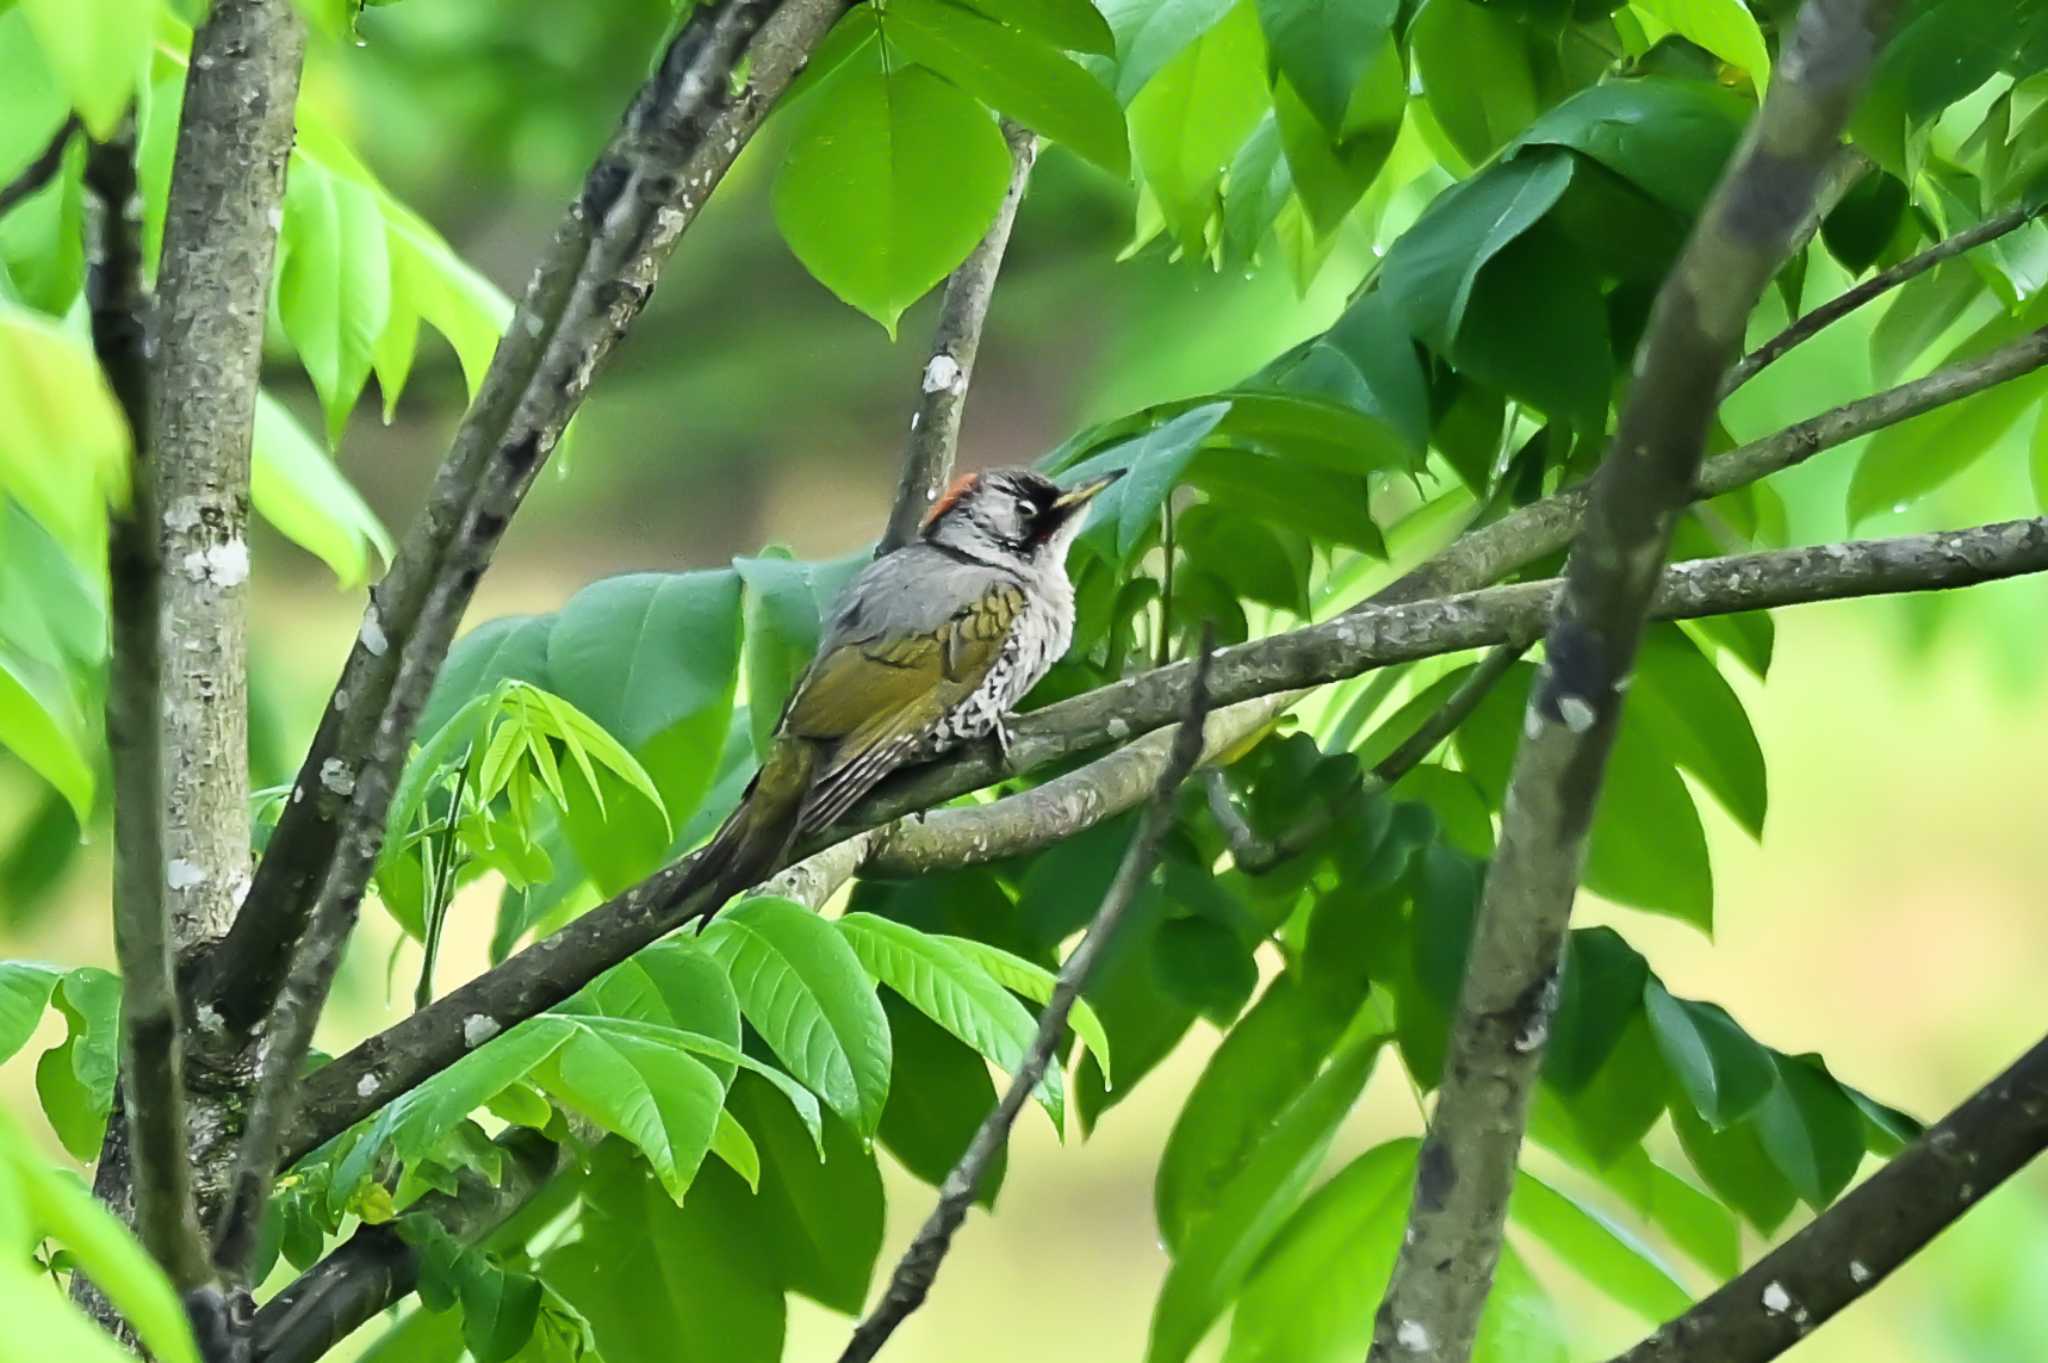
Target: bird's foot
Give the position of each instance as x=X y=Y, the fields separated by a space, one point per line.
x=1004 y=739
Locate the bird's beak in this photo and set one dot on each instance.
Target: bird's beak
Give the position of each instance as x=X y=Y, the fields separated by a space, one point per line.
x=1074 y=498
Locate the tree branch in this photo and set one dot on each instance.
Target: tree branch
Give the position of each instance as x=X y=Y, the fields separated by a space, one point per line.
x=376 y=1267
x=1851 y=1247
x=919 y=1266
x=628 y=227
x=39 y=172
x=675 y=143
x=942 y=389
x=1849 y=300
x=1466 y=1167
x=152 y=1050
x=1264 y=673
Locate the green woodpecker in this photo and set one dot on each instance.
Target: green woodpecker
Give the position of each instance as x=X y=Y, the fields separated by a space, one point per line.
x=930 y=645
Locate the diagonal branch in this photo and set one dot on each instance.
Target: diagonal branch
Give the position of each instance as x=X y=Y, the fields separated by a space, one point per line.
x=942 y=388
x=680 y=135
x=919 y=1266
x=1466 y=1167
x=152 y=1050
x=1851 y=1247
x=1805 y=328
x=39 y=172
x=411 y=1051
x=627 y=226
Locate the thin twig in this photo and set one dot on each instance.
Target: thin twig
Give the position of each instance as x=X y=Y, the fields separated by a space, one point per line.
x=1265 y=673
x=1884 y=281
x=920 y=1263
x=1466 y=1167
x=39 y=172
x=608 y=284
x=152 y=1048
x=1851 y=1247
x=942 y=386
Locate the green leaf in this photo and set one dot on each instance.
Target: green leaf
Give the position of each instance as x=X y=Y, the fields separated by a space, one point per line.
x=1667 y=872
x=1811 y=1130
x=1036 y=983
x=1249 y=1211
x=809 y=997
x=2037 y=461
x=1905 y=462
x=1734 y=1165
x=1450 y=40
x=334 y=283
x=430 y=282
x=1623 y=1099
x=1255 y=188
x=60 y=1207
x=99 y=49
x=953 y=991
x=1331 y=171
x=1026 y=79
x=1429 y=274
x=1723 y=27
x=1599 y=994
x=663 y=1101
x=40 y=723
x=1192 y=118
x=683 y=1295
x=1722 y=1070
x=1609 y=1258
x=24 y=994
x=1263 y=1064
x=1151 y=33
x=1694 y=1221
x=512 y=646
x=888 y=184
x=928 y=1123
x=642 y=652
x=1691 y=712
x=58 y=421
x=1153 y=465
x=296 y=486
x=819 y=1214
x=1669 y=138
x=1886 y=1130
x=75 y=1079
x=1076 y=25
x=1324 y=48
x=1566 y=370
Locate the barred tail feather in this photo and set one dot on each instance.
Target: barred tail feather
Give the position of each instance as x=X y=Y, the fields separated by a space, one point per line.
x=752 y=842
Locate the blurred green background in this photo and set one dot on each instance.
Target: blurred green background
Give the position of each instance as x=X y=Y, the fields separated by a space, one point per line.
x=1894 y=918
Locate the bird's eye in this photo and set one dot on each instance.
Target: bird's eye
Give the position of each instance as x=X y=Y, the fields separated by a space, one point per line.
x=1026 y=508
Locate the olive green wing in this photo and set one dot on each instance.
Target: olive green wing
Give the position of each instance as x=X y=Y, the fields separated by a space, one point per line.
x=873 y=699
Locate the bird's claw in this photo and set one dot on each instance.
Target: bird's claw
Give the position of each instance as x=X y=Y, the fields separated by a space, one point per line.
x=1003 y=738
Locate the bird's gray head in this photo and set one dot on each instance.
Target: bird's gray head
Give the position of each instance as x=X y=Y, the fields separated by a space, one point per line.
x=1006 y=515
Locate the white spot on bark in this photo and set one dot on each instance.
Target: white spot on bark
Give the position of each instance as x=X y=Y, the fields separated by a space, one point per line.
x=340 y=700
x=944 y=375
x=181 y=874
x=298 y=794
x=209 y=1019
x=336 y=776
x=1777 y=1300
x=182 y=514
x=1577 y=715
x=372 y=633
x=1117 y=729
x=239 y=891
x=222 y=565
x=477 y=1029
x=916 y=420
x=1858 y=1272
x=367 y=1085
x=1412 y=1335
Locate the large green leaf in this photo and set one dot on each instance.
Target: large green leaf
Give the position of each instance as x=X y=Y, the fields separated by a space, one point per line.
x=24 y=995
x=296 y=486
x=1313 y=1296
x=1331 y=171
x=928 y=1123
x=511 y=647
x=98 y=48
x=1690 y=711
x=1028 y=80
x=805 y=991
x=1249 y=1211
x=1451 y=42
x=1603 y=1254
x=1193 y=116
x=1734 y=1165
x=1076 y=25
x=1695 y=1222
x=1566 y=368
x=1810 y=1129
x=1599 y=994
x=954 y=991
x=1036 y=983
x=1722 y=1070
x=1723 y=27
x=663 y=1101
x=333 y=283
x=687 y=1292
x=818 y=1215
x=642 y=652
x=889 y=182
x=1153 y=464
x=1151 y=33
x=1905 y=462
x=40 y=723
x=63 y=442
x=1670 y=138
x=1429 y=274
x=1324 y=48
